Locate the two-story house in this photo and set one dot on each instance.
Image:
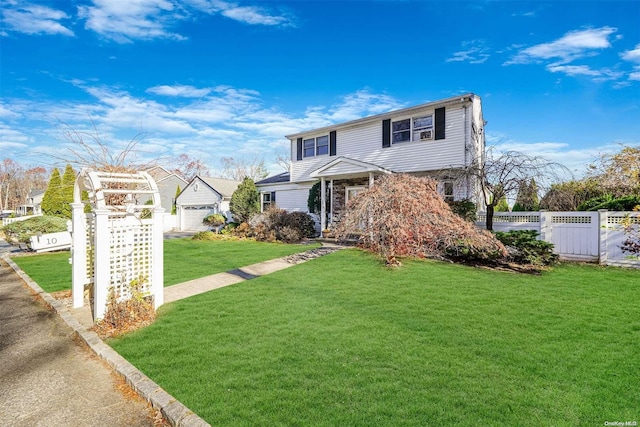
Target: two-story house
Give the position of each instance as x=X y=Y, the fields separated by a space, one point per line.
x=435 y=139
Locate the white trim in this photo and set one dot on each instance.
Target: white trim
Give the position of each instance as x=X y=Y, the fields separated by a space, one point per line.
x=359 y=167
x=359 y=188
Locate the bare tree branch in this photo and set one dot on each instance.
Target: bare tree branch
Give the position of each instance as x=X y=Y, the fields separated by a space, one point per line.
x=499 y=174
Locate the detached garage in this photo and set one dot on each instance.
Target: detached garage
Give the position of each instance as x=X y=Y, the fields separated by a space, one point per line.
x=201 y=197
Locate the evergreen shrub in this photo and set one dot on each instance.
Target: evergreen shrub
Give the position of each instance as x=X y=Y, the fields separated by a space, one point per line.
x=625 y=203
x=526 y=248
x=465 y=209
x=22 y=231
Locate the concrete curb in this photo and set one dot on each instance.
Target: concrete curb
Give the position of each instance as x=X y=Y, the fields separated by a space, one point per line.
x=173 y=410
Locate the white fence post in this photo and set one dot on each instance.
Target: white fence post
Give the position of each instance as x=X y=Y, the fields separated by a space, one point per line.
x=101 y=266
x=604 y=232
x=78 y=253
x=546 y=229
x=157 y=271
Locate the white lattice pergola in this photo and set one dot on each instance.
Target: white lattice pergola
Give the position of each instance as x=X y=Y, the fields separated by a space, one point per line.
x=119 y=241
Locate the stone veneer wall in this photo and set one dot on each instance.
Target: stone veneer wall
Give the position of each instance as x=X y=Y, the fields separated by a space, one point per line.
x=340 y=191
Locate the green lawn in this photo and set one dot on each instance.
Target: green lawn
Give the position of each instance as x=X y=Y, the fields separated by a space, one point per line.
x=51 y=271
x=184 y=259
x=341 y=340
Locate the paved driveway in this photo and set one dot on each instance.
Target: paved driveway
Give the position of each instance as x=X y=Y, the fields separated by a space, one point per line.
x=49 y=379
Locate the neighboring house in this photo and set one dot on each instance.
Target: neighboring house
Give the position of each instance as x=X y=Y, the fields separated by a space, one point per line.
x=201 y=197
x=32 y=205
x=426 y=140
x=167 y=183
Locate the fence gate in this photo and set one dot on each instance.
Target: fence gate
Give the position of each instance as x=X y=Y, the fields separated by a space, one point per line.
x=573 y=234
x=119 y=241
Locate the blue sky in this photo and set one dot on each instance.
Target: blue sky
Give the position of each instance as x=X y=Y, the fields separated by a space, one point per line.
x=216 y=78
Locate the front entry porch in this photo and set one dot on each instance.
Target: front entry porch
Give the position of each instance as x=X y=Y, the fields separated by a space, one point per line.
x=341 y=180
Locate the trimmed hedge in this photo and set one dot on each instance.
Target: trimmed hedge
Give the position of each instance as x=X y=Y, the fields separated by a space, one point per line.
x=626 y=203
x=22 y=231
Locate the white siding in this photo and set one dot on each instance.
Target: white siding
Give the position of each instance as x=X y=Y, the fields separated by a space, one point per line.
x=364 y=142
x=204 y=195
x=290 y=197
x=293 y=200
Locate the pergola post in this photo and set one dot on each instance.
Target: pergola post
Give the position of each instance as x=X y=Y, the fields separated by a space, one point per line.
x=78 y=254
x=157 y=275
x=101 y=263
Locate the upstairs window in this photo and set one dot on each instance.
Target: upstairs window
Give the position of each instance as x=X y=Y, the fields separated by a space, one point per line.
x=401 y=131
x=423 y=128
x=322 y=145
x=413 y=129
x=309 y=147
x=316 y=146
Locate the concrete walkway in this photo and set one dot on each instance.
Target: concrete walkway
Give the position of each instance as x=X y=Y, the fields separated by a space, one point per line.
x=215 y=281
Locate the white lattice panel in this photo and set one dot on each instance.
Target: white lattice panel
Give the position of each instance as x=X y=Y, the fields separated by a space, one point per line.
x=131 y=254
x=570 y=219
x=90 y=235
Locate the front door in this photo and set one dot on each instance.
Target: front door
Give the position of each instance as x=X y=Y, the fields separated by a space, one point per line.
x=352 y=192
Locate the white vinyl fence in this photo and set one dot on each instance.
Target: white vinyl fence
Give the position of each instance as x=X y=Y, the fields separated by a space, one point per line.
x=7 y=221
x=583 y=236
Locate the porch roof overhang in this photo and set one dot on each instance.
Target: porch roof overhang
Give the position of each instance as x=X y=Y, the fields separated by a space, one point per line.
x=345 y=167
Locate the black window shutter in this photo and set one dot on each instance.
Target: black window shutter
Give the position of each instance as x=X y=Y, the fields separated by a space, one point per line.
x=440 y=123
x=299 y=147
x=332 y=143
x=386 y=133
x=273 y=197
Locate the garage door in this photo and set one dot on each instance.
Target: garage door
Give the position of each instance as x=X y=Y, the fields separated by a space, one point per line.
x=192 y=216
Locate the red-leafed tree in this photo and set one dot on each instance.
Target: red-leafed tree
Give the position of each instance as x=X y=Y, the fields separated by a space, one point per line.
x=403 y=215
x=189 y=167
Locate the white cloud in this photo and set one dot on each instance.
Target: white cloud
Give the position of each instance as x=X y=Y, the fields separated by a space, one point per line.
x=133 y=19
x=525 y=14
x=583 y=70
x=179 y=90
x=573 y=70
x=6 y=113
x=632 y=55
x=571 y=46
x=251 y=15
x=562 y=54
x=475 y=52
x=34 y=19
x=227 y=121
x=361 y=104
x=127 y=21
